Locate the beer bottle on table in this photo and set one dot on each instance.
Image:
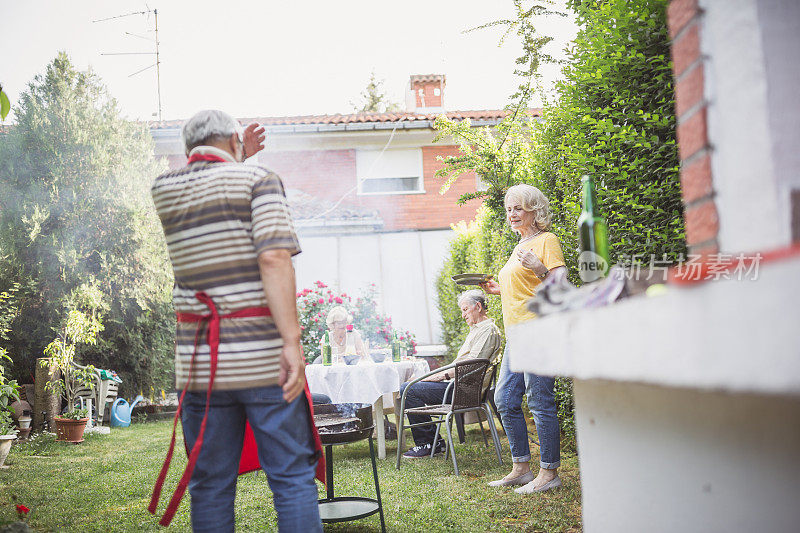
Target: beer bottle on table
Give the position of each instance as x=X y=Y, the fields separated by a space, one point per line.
x=326 y=350
x=395 y=348
x=593 y=261
x=349 y=341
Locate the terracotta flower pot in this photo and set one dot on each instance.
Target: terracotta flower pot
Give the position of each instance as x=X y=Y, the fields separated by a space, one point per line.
x=69 y=430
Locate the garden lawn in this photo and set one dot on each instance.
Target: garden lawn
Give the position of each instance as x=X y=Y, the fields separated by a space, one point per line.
x=104 y=485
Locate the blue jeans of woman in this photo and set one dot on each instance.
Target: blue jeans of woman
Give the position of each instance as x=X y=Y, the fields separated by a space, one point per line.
x=285 y=451
x=511 y=386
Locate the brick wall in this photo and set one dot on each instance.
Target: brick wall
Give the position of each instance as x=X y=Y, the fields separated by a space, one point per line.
x=331 y=174
x=431 y=100
x=326 y=174
x=684 y=18
x=175 y=161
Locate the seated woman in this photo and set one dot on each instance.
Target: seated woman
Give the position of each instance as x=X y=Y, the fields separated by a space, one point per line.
x=337 y=320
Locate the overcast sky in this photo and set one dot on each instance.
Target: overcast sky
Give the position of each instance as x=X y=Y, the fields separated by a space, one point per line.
x=269 y=58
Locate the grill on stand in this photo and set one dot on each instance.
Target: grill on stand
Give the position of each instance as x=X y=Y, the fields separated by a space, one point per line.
x=343 y=423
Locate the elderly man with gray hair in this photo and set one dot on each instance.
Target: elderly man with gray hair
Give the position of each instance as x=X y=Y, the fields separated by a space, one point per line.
x=483 y=341
x=238 y=358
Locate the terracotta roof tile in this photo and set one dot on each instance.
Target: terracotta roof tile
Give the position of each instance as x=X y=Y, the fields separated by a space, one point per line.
x=353 y=118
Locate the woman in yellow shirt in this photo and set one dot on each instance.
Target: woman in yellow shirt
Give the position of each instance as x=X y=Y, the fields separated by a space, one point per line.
x=537 y=256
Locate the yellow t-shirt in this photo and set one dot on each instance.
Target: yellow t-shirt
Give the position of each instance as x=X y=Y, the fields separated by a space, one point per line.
x=518 y=284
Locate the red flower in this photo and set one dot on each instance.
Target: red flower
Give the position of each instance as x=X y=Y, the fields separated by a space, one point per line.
x=22 y=510
x=338 y=300
x=321 y=301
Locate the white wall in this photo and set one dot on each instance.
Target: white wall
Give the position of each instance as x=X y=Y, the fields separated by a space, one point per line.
x=780 y=22
x=752 y=48
x=665 y=460
x=403 y=266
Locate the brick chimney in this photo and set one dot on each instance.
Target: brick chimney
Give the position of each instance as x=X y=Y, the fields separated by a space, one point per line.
x=425 y=93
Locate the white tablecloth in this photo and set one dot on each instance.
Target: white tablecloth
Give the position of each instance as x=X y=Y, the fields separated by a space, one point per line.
x=364 y=382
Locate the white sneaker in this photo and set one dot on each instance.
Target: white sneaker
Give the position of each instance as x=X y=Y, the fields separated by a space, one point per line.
x=530 y=488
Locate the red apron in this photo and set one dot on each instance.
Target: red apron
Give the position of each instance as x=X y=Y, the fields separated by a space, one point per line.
x=249 y=459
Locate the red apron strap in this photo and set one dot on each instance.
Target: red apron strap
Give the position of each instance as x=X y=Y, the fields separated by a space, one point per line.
x=213 y=343
x=249 y=460
x=162 y=475
x=320 y=474
x=205 y=157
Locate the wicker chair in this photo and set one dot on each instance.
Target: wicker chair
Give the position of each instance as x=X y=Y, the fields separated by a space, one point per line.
x=487 y=398
x=468 y=395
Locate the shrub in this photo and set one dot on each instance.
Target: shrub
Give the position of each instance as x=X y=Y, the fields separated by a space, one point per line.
x=613 y=118
x=75 y=208
x=314 y=303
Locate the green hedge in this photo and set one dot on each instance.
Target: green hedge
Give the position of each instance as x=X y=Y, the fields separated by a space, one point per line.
x=613 y=118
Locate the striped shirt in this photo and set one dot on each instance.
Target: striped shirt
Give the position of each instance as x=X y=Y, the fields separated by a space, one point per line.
x=217 y=217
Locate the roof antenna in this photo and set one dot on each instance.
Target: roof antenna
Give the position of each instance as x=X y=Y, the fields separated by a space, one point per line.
x=157 y=64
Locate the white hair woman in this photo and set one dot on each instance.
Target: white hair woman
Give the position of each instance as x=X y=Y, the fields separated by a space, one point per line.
x=338 y=320
x=537 y=256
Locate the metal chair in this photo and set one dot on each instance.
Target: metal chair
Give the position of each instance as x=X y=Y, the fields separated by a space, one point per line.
x=487 y=398
x=468 y=395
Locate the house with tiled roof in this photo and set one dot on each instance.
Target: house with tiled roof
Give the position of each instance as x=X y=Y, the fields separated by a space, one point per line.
x=365 y=201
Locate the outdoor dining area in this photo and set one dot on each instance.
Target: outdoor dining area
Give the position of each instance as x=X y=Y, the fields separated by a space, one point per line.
x=366 y=382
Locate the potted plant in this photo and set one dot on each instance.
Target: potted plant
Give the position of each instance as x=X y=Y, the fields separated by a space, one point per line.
x=9 y=392
x=81 y=326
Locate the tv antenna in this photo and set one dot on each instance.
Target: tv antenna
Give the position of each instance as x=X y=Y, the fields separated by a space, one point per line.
x=157 y=64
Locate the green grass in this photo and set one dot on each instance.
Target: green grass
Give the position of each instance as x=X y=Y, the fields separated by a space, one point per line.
x=104 y=485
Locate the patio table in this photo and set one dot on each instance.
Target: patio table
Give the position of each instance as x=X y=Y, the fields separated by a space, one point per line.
x=365 y=382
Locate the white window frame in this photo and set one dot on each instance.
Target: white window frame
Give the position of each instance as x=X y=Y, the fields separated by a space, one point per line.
x=361 y=176
x=480 y=185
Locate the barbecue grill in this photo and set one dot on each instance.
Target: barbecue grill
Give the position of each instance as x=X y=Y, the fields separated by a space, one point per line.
x=343 y=423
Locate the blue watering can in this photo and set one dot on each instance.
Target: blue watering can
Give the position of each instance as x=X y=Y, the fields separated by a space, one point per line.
x=121 y=412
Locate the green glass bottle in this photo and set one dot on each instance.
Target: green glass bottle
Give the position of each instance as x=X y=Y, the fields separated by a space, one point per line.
x=395 y=348
x=593 y=261
x=326 y=350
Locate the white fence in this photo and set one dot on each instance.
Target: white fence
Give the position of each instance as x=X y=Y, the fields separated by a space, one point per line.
x=402 y=265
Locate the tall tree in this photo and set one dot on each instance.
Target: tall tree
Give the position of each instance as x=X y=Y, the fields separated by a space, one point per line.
x=74 y=194
x=373 y=99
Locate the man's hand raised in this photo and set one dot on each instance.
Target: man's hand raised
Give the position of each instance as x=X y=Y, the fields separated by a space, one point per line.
x=253 y=139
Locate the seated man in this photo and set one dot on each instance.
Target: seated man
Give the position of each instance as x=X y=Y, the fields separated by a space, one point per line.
x=483 y=340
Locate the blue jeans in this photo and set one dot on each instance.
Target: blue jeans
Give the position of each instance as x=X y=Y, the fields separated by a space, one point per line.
x=420 y=394
x=541 y=401
x=285 y=451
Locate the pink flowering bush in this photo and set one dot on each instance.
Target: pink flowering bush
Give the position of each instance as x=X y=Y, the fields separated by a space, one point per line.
x=313 y=305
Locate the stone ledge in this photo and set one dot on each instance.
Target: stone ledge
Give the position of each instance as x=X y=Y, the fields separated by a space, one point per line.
x=724 y=335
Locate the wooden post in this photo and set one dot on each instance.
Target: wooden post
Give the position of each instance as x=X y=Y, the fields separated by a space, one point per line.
x=46 y=404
